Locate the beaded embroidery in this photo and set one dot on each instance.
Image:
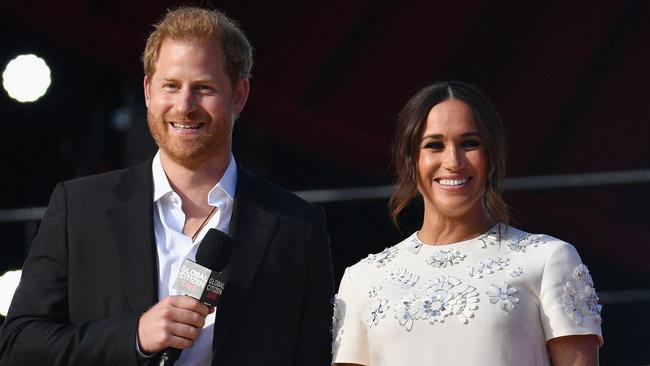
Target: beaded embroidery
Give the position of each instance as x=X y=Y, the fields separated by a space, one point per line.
x=519 y=243
x=403 y=312
x=443 y=297
x=381 y=259
x=337 y=322
x=503 y=296
x=516 y=272
x=414 y=244
x=491 y=237
x=581 y=273
x=372 y=291
x=487 y=266
x=378 y=311
x=446 y=257
x=402 y=278
x=581 y=300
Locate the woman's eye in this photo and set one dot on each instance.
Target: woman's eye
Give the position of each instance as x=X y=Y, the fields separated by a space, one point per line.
x=471 y=144
x=434 y=145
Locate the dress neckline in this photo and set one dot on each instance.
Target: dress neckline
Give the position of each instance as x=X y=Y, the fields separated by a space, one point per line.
x=491 y=231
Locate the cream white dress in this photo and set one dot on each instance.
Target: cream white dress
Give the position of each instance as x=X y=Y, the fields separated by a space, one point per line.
x=482 y=301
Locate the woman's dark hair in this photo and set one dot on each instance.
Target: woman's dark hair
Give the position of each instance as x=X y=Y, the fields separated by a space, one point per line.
x=412 y=121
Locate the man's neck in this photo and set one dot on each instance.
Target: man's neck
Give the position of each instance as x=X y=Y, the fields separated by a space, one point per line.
x=193 y=184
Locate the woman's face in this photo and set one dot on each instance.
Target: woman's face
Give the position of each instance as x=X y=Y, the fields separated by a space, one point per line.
x=453 y=162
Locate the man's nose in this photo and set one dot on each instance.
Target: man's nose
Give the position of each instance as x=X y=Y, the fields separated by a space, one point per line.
x=186 y=102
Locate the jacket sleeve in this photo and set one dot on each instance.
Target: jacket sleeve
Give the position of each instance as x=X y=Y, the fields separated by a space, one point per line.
x=314 y=336
x=38 y=329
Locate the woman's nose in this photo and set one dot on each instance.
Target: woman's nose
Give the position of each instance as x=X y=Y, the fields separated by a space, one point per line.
x=453 y=159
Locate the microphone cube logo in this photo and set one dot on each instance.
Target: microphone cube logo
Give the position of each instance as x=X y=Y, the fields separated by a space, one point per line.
x=192 y=279
x=214 y=289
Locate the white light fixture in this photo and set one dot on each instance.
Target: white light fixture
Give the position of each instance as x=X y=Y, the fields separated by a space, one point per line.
x=8 y=284
x=26 y=78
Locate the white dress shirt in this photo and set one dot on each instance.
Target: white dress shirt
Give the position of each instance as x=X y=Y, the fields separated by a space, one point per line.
x=173 y=246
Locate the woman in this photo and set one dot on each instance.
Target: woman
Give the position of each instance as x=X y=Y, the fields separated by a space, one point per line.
x=466 y=289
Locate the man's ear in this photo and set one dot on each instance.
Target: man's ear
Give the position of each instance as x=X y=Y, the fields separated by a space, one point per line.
x=240 y=95
x=147 y=97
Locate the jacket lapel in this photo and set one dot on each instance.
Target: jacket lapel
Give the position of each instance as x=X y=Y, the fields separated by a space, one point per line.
x=252 y=228
x=133 y=225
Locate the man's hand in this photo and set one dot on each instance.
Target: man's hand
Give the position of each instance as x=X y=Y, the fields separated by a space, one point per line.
x=173 y=322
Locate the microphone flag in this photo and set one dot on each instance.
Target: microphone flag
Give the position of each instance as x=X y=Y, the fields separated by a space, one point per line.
x=200 y=282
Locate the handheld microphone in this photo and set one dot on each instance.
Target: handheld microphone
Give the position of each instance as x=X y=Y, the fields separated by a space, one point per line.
x=204 y=279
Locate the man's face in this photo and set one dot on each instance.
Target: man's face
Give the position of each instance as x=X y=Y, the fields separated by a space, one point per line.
x=191 y=101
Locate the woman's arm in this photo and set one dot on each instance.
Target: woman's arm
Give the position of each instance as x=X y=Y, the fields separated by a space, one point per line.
x=576 y=350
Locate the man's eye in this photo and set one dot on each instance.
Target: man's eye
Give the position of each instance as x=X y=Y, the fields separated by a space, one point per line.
x=170 y=86
x=204 y=88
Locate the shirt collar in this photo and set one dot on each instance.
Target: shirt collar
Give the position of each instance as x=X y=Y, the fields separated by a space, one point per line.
x=161 y=185
x=226 y=184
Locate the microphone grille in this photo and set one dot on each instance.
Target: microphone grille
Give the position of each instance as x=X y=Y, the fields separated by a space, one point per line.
x=214 y=250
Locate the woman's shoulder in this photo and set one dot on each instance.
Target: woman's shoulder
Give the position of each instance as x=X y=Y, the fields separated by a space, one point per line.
x=374 y=262
x=521 y=241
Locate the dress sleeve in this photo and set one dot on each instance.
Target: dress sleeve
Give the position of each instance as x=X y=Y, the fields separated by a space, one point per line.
x=568 y=300
x=350 y=340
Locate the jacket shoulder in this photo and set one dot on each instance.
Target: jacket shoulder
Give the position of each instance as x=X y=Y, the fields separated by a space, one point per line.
x=112 y=181
x=275 y=198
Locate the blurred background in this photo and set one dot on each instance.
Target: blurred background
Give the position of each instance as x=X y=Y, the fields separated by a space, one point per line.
x=571 y=79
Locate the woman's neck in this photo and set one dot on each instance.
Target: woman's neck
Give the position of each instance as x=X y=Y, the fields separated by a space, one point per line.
x=439 y=230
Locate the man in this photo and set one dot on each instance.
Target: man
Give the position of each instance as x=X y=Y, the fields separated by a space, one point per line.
x=97 y=284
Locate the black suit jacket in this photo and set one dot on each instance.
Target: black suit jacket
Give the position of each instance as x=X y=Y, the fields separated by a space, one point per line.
x=92 y=270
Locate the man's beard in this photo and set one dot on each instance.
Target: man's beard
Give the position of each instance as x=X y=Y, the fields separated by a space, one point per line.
x=190 y=151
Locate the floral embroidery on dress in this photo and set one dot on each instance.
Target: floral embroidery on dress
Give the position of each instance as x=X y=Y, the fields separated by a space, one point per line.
x=414 y=244
x=520 y=242
x=446 y=257
x=378 y=311
x=402 y=278
x=381 y=259
x=372 y=291
x=581 y=301
x=487 y=266
x=582 y=273
x=491 y=237
x=337 y=322
x=516 y=272
x=503 y=296
x=403 y=312
x=443 y=297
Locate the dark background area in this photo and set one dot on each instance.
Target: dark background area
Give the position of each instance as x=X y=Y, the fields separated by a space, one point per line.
x=571 y=79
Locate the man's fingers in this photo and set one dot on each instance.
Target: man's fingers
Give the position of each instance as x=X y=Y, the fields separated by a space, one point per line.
x=179 y=342
x=174 y=322
x=188 y=317
x=184 y=331
x=189 y=303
